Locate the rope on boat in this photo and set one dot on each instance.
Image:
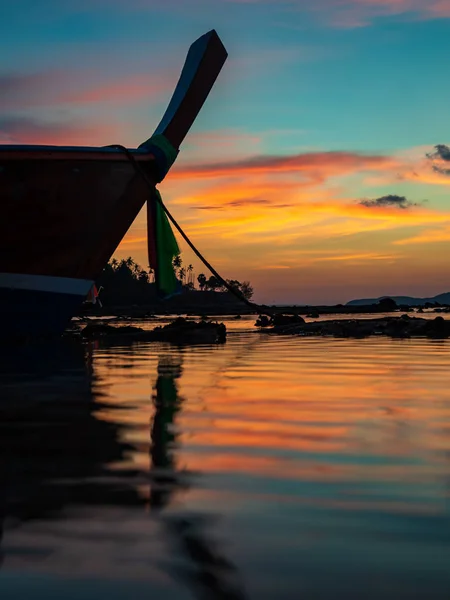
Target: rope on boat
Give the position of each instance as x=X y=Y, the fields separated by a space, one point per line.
x=155 y=195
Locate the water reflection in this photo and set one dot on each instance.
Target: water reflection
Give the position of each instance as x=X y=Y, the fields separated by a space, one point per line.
x=167 y=404
x=303 y=467
x=52 y=447
x=210 y=574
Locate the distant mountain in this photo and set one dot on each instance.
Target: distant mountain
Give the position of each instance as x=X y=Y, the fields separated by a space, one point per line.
x=440 y=298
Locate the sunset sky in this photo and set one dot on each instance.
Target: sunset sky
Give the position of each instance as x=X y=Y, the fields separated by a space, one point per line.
x=306 y=171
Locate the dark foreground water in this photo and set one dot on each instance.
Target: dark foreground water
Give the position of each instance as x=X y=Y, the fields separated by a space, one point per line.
x=269 y=467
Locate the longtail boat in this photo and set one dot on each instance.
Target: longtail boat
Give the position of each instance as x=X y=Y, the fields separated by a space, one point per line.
x=65 y=209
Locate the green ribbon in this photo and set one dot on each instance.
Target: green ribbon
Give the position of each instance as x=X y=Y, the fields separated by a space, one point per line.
x=165 y=243
x=166 y=249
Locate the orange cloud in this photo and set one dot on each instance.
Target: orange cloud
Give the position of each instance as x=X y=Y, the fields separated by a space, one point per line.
x=428 y=236
x=288 y=198
x=313 y=166
x=311 y=257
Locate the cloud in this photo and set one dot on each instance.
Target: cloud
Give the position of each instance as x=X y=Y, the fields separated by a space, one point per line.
x=439 y=158
x=361 y=13
x=427 y=236
x=415 y=165
x=341 y=12
x=389 y=200
x=53 y=88
x=27 y=130
x=312 y=166
x=132 y=88
x=312 y=257
x=289 y=213
x=21 y=90
x=443 y=151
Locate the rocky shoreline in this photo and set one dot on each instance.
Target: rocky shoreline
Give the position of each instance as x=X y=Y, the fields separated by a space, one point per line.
x=403 y=326
x=184 y=331
x=180 y=331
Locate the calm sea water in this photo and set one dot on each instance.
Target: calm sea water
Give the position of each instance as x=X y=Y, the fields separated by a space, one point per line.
x=267 y=467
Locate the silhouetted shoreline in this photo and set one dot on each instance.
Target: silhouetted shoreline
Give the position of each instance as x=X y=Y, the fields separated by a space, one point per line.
x=403 y=326
x=182 y=331
x=205 y=303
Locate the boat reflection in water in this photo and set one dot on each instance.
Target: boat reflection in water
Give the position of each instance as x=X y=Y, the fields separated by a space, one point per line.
x=167 y=404
x=52 y=446
x=209 y=573
x=69 y=512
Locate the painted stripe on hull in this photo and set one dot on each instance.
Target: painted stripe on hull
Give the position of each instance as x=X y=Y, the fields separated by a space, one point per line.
x=35 y=305
x=45 y=283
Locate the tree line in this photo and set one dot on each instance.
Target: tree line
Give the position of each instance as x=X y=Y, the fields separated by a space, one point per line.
x=126 y=281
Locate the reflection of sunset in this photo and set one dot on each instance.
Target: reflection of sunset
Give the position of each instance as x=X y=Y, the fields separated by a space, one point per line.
x=315 y=448
x=304 y=410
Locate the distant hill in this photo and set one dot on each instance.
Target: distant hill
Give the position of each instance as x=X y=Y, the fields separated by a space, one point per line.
x=440 y=298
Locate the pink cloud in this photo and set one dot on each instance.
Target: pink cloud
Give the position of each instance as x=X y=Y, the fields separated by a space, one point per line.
x=24 y=130
x=357 y=13
x=51 y=88
x=314 y=166
x=22 y=90
x=129 y=89
x=360 y=13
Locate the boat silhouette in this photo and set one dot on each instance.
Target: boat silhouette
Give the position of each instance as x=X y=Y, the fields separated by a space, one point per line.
x=65 y=209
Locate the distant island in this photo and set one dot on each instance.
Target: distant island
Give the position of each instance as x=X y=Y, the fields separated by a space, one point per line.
x=404 y=300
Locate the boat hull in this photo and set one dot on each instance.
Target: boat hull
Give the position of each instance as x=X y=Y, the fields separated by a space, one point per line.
x=38 y=306
x=64 y=220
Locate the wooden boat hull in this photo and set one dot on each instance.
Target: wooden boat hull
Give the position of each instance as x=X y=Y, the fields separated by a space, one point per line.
x=65 y=219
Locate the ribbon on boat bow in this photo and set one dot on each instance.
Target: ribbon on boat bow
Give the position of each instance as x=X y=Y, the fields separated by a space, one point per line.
x=162 y=245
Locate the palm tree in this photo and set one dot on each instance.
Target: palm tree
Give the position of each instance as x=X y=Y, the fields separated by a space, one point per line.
x=177 y=262
x=136 y=269
x=202 y=281
x=190 y=274
x=182 y=274
x=114 y=263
